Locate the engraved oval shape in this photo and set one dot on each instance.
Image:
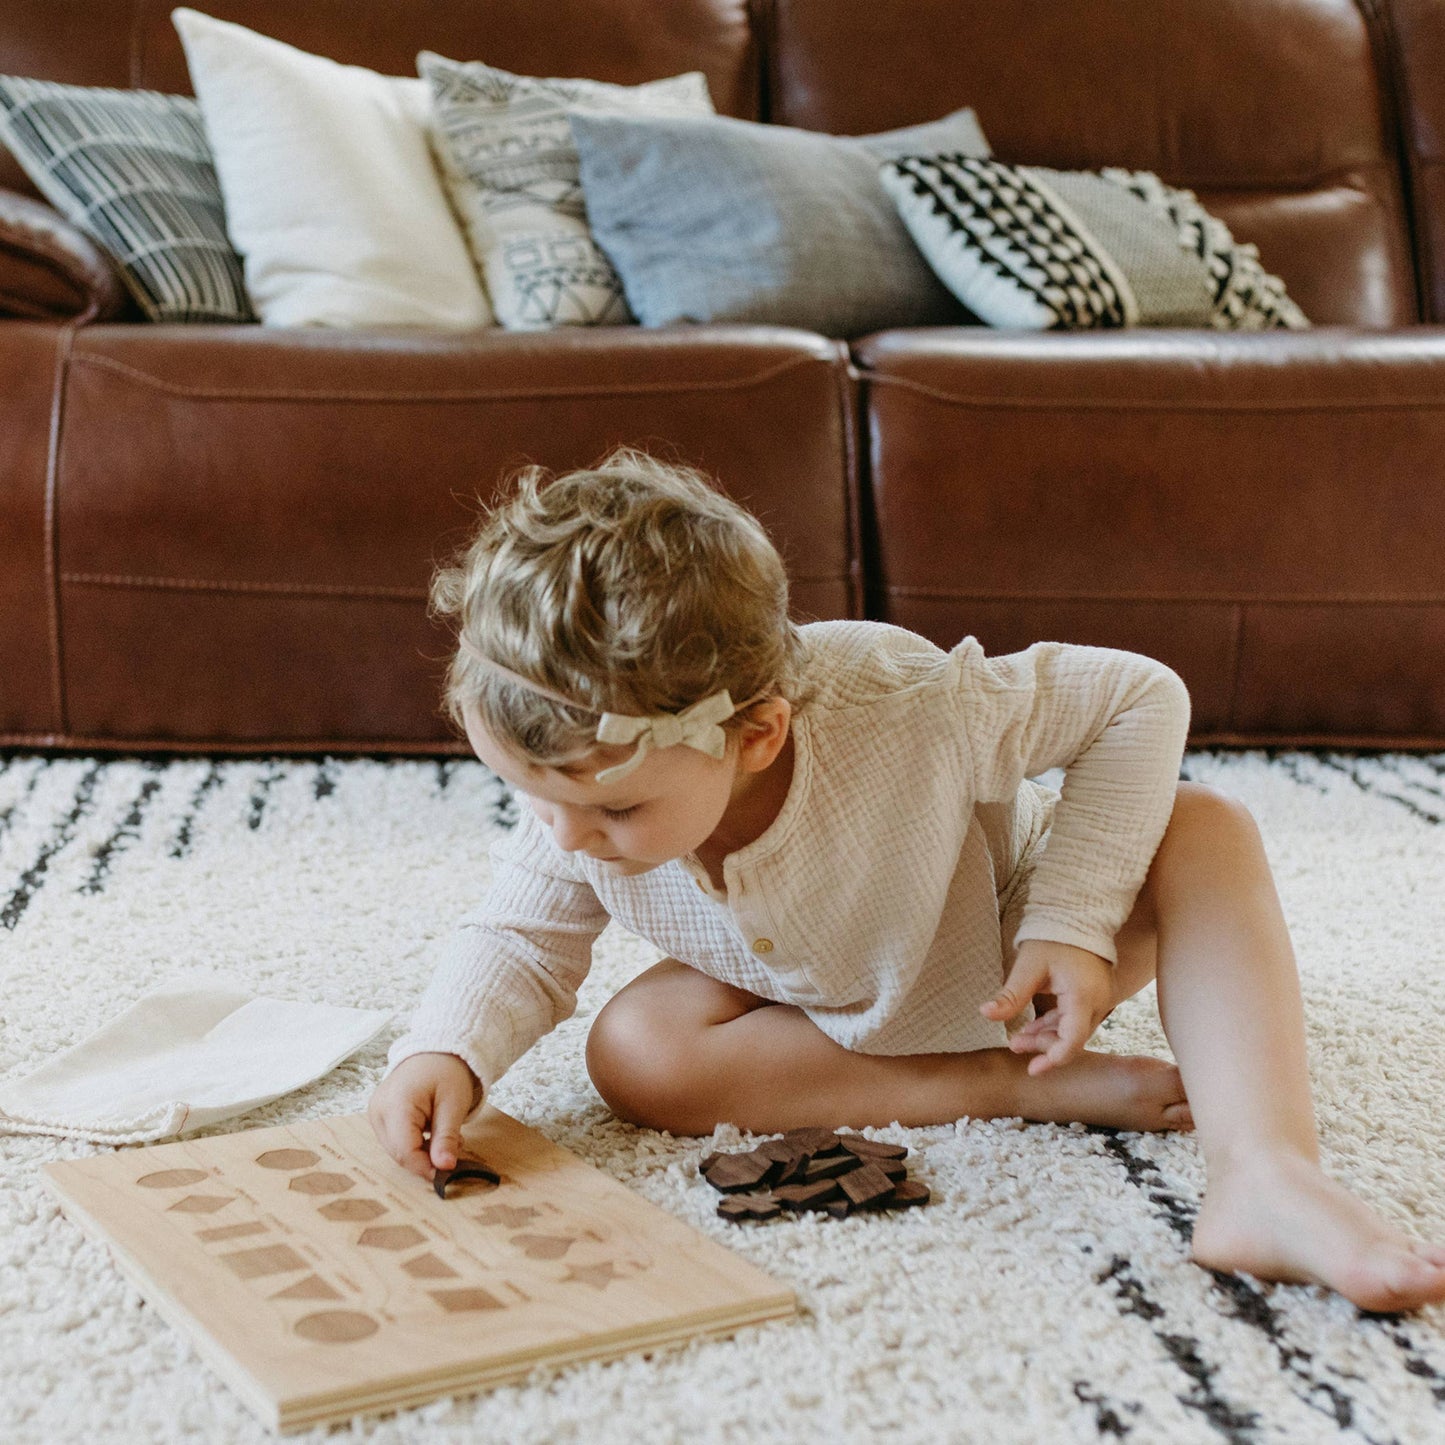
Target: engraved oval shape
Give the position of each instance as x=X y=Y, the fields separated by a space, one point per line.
x=288 y=1159
x=171 y=1178
x=336 y=1327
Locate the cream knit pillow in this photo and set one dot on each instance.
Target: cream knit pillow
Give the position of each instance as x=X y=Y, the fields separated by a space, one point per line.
x=332 y=196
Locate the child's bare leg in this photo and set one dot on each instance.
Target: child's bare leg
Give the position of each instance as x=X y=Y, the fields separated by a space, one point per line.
x=679 y=1051
x=1230 y=1001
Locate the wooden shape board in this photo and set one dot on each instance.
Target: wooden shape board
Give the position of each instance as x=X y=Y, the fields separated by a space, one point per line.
x=321 y=1280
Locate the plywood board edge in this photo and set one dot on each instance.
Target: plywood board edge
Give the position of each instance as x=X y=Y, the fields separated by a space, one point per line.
x=171 y=1311
x=304 y=1414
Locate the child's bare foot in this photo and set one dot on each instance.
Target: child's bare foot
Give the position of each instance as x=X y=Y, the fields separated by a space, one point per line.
x=1119 y=1091
x=1283 y=1218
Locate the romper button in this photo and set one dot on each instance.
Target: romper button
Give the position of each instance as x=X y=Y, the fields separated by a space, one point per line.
x=762 y=945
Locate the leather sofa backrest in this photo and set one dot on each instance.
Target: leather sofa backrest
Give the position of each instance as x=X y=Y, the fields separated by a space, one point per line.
x=1417 y=36
x=133 y=44
x=1272 y=111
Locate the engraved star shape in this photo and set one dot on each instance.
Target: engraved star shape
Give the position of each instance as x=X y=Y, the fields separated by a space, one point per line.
x=599 y=1276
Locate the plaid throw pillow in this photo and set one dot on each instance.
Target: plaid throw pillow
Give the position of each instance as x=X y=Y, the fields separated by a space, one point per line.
x=1038 y=249
x=132 y=169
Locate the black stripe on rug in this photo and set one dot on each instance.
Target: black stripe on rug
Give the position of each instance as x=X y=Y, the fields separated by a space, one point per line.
x=324 y=783
x=17 y=807
x=1292 y=765
x=32 y=880
x=1235 y=1425
x=1247 y=1301
x=126 y=832
x=1354 y=770
x=181 y=843
x=260 y=794
x=501 y=803
x=1395 y=767
x=1416 y=1364
x=1107 y=1417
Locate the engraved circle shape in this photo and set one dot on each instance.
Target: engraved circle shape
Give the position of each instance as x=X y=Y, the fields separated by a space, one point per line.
x=321 y=1183
x=171 y=1178
x=336 y=1327
x=288 y=1159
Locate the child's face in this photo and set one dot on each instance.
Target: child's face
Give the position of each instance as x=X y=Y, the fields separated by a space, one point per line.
x=669 y=807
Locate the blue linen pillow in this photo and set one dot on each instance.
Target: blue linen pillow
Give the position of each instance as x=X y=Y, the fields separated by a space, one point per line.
x=708 y=218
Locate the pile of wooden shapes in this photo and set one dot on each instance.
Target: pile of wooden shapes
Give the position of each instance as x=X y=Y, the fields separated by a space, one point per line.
x=837 y=1173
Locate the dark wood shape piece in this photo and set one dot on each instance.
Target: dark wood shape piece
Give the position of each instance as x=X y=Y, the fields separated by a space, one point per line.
x=871 y=1148
x=741 y=1207
x=866 y=1186
x=808 y=1196
x=470 y=1169
x=733 y=1173
x=812 y=1141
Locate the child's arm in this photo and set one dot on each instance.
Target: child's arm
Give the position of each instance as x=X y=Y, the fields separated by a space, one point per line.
x=1116 y=722
x=509 y=974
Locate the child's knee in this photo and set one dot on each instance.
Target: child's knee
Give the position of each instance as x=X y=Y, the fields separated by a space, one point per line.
x=637 y=1065
x=1204 y=814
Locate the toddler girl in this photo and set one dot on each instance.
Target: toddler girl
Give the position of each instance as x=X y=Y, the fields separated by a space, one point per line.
x=871 y=913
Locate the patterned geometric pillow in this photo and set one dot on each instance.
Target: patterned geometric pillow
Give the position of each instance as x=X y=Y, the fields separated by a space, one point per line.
x=511 y=169
x=132 y=169
x=1023 y=246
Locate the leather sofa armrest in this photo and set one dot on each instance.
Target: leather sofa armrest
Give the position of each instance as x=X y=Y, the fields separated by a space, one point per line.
x=50 y=271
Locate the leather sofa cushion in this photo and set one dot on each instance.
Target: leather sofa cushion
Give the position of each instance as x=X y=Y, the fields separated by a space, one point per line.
x=248 y=522
x=1216 y=501
x=29 y=637
x=1417 y=35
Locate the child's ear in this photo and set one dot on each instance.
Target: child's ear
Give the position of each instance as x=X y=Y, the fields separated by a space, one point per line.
x=763 y=733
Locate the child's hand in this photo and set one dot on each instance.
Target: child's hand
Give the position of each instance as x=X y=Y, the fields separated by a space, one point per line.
x=1082 y=984
x=425 y=1093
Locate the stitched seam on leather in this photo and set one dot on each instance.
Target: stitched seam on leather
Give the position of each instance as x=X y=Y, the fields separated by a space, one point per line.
x=52 y=531
x=310 y=589
x=1144 y=404
x=420 y=748
x=141 y=378
x=425 y=751
x=1220 y=599
x=848 y=414
x=1235 y=669
x=137 y=44
x=199 y=584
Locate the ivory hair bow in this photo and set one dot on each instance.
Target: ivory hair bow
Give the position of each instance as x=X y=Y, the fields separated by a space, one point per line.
x=694 y=727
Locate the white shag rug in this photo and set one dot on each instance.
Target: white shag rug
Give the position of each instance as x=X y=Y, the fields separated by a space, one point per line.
x=1045 y=1295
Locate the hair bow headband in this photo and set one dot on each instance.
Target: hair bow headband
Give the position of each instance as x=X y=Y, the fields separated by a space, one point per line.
x=697 y=726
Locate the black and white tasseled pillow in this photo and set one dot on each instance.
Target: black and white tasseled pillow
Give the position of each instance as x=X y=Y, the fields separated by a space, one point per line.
x=133 y=169
x=1039 y=249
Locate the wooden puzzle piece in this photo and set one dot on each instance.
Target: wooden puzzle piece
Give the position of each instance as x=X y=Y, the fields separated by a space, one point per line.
x=468 y=1169
x=813 y=1169
x=321 y=1302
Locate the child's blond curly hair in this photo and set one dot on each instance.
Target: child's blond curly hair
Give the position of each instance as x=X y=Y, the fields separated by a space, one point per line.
x=632 y=587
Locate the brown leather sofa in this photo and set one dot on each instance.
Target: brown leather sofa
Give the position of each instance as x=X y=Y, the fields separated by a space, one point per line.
x=220 y=538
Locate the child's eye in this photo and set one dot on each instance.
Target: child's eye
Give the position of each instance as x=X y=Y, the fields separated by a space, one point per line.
x=618 y=813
